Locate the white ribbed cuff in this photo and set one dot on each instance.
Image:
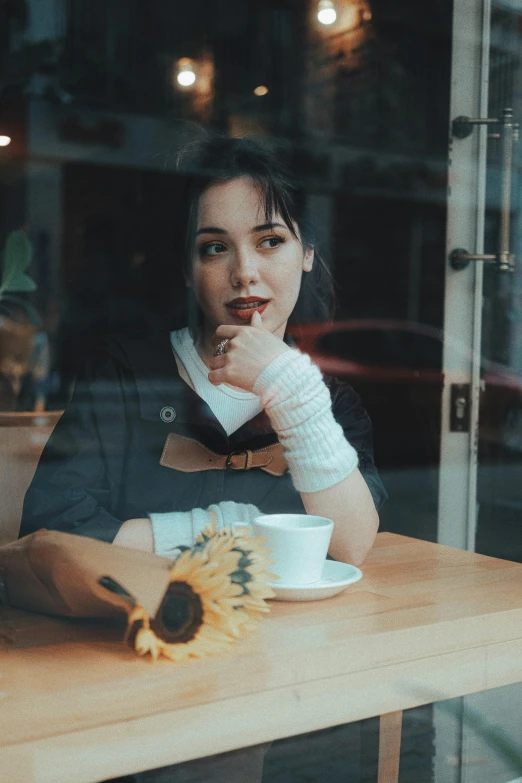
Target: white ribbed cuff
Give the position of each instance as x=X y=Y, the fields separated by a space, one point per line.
x=299 y=406
x=172 y=530
x=181 y=528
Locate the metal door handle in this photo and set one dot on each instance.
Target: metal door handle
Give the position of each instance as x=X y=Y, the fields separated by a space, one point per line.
x=509 y=133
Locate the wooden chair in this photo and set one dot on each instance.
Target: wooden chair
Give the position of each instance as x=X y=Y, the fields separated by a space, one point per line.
x=22 y=439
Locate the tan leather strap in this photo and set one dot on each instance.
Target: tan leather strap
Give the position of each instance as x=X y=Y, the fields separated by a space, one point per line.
x=189 y=456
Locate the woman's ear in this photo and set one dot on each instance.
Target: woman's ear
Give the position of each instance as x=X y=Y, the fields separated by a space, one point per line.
x=308 y=260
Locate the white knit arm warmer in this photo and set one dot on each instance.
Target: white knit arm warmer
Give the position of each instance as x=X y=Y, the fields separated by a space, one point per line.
x=299 y=406
x=181 y=528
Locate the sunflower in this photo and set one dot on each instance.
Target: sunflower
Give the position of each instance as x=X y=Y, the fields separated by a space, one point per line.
x=216 y=593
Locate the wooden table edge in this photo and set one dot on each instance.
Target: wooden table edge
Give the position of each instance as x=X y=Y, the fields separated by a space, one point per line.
x=136 y=744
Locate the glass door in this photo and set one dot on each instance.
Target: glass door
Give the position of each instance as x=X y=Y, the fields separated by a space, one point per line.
x=482 y=398
x=499 y=490
x=480 y=491
x=481 y=419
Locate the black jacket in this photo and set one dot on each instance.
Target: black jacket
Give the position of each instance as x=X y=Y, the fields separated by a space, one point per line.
x=101 y=463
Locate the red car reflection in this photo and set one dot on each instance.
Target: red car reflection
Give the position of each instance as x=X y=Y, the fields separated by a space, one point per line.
x=395 y=366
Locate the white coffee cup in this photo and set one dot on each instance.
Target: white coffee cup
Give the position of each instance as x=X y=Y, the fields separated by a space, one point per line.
x=299 y=545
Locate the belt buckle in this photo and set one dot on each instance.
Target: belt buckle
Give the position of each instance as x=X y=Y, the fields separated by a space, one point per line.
x=228 y=464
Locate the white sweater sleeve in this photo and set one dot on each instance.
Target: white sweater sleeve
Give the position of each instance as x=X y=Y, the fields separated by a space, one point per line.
x=299 y=406
x=181 y=528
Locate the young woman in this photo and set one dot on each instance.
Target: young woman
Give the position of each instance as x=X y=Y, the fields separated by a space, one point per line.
x=229 y=383
x=223 y=415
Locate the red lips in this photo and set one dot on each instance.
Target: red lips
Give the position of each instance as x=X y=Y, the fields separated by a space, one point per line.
x=244 y=307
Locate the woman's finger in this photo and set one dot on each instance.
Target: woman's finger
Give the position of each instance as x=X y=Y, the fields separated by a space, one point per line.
x=217 y=376
x=217 y=362
x=227 y=330
x=256 y=320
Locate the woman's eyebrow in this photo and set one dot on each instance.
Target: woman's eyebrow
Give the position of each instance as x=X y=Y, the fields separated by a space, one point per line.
x=267 y=226
x=210 y=230
x=216 y=230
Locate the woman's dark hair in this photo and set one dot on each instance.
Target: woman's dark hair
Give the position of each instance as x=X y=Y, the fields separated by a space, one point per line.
x=213 y=158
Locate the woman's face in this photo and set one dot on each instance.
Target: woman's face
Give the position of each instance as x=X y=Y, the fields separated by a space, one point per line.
x=240 y=264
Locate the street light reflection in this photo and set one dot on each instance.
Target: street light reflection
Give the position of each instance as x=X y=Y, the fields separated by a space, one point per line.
x=186 y=75
x=326 y=12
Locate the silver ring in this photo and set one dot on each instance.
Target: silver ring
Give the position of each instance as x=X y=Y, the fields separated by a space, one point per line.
x=221 y=346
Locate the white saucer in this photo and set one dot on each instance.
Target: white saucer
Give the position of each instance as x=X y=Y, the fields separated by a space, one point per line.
x=336 y=578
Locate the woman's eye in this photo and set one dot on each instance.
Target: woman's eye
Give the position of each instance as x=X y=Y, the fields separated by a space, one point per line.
x=273 y=242
x=212 y=249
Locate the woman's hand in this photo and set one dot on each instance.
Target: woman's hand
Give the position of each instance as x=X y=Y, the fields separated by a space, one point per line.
x=250 y=349
x=136 y=534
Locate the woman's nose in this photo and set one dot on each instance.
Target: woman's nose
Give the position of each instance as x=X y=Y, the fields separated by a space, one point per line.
x=245 y=269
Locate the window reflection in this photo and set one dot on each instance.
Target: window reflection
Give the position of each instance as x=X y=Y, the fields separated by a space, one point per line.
x=97 y=98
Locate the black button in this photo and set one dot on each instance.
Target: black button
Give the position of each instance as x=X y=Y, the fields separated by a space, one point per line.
x=167 y=414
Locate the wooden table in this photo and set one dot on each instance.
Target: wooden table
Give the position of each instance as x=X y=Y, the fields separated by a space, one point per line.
x=426 y=623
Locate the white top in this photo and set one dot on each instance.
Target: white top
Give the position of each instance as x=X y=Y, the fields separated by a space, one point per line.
x=232 y=408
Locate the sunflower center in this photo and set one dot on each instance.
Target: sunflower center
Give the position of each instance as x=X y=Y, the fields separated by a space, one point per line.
x=180 y=615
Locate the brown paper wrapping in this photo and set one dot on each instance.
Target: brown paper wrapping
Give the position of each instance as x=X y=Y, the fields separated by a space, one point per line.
x=57 y=574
